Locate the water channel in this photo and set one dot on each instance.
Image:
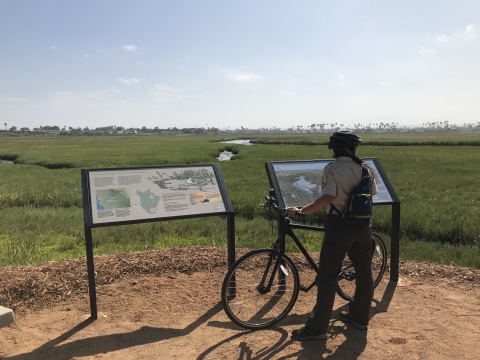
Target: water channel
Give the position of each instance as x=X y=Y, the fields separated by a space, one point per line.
x=226 y=155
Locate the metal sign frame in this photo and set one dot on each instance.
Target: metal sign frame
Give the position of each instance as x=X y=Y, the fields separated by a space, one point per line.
x=216 y=203
x=388 y=192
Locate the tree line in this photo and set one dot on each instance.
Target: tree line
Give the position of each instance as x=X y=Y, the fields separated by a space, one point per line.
x=313 y=128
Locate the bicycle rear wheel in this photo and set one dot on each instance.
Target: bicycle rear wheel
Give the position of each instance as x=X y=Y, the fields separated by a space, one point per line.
x=247 y=298
x=346 y=279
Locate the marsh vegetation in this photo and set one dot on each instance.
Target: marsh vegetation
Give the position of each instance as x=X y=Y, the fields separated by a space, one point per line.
x=435 y=176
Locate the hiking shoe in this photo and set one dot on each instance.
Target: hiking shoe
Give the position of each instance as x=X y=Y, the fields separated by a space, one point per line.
x=345 y=317
x=307 y=334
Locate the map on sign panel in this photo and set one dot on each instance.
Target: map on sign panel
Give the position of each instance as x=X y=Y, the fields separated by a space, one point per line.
x=121 y=195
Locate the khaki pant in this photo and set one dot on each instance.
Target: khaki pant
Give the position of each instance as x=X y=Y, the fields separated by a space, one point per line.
x=341 y=239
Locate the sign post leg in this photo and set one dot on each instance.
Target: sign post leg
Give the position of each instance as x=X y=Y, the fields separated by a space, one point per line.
x=91 y=274
x=231 y=251
x=395 y=244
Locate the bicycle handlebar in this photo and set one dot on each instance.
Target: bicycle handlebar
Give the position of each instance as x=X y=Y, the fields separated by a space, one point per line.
x=282 y=211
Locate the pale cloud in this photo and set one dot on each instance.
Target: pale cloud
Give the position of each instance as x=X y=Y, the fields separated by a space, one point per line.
x=287 y=93
x=129 y=81
x=442 y=38
x=164 y=94
x=53 y=47
x=340 y=81
x=91 y=100
x=69 y=100
x=11 y=100
x=411 y=68
x=245 y=77
x=427 y=51
x=129 y=48
x=86 y=56
x=464 y=34
x=238 y=74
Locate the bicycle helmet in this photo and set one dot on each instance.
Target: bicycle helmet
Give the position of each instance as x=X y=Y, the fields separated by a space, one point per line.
x=343 y=140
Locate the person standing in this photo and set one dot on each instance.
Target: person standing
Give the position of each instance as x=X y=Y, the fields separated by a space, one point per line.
x=339 y=178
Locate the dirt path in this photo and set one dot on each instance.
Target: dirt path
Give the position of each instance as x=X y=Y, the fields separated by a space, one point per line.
x=432 y=313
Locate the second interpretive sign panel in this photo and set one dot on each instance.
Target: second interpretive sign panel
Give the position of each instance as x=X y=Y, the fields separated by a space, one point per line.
x=298 y=183
x=143 y=194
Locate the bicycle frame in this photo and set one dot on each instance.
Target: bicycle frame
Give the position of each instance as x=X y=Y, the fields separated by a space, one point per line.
x=286 y=229
x=279 y=245
x=269 y=277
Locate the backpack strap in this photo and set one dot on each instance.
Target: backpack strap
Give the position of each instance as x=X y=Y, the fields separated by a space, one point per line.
x=365 y=175
x=365 y=171
x=332 y=207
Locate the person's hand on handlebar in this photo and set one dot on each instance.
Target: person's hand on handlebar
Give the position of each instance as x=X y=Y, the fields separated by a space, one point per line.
x=292 y=211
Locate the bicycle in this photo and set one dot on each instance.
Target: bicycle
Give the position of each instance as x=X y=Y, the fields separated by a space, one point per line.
x=262 y=286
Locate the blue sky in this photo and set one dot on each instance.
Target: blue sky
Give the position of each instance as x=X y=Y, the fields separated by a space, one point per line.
x=243 y=63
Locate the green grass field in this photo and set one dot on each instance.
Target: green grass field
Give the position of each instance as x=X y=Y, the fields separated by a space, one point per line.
x=436 y=179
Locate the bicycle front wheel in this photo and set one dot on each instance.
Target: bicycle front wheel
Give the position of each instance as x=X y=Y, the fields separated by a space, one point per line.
x=260 y=289
x=346 y=281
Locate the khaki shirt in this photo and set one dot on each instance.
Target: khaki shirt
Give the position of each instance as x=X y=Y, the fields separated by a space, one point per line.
x=339 y=178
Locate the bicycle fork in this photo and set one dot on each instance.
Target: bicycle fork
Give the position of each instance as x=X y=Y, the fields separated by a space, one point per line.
x=268 y=276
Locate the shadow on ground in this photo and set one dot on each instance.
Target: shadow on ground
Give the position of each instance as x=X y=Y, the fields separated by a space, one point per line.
x=353 y=346
x=54 y=349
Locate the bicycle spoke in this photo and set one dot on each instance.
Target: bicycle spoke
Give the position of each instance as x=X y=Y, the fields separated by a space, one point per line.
x=255 y=306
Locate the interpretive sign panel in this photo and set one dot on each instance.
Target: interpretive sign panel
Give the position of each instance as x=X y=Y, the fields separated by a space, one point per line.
x=299 y=182
x=114 y=197
x=124 y=195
